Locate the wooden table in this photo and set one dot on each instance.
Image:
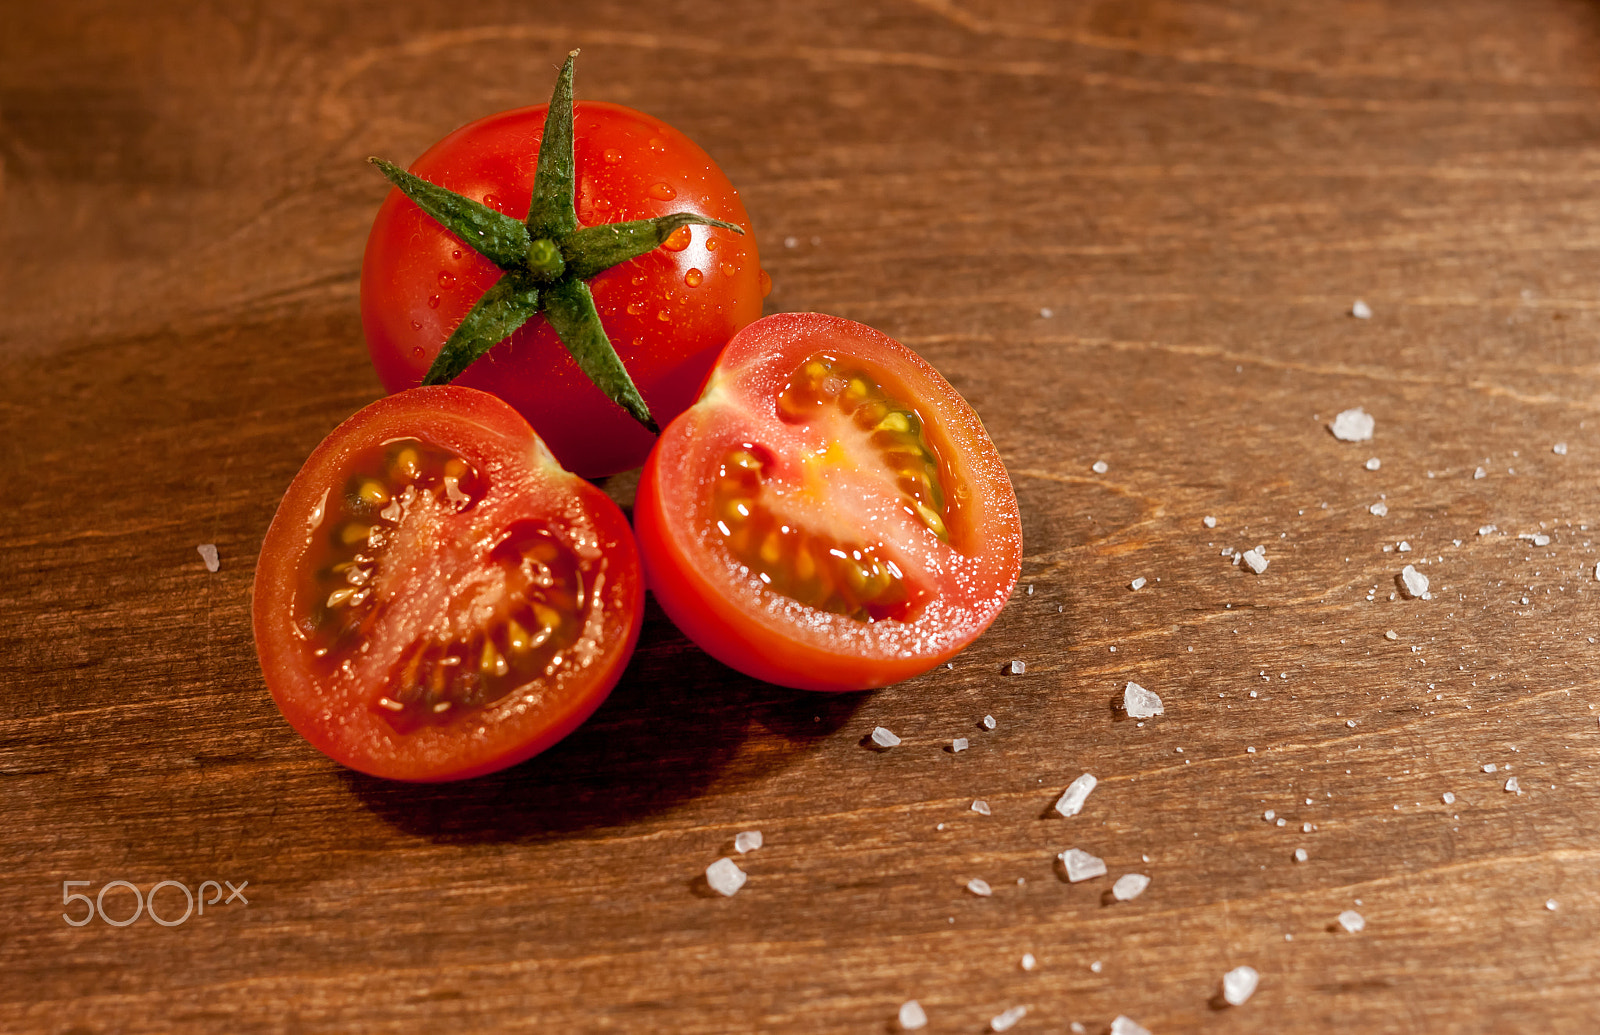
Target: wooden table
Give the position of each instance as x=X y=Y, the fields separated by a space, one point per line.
x=1129 y=231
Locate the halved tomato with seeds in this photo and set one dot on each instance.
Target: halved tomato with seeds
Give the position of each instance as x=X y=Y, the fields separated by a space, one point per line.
x=436 y=598
x=831 y=514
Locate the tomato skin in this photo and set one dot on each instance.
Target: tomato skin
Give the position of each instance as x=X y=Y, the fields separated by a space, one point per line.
x=333 y=708
x=668 y=312
x=771 y=637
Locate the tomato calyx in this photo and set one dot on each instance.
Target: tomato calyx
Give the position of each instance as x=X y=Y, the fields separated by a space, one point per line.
x=546 y=260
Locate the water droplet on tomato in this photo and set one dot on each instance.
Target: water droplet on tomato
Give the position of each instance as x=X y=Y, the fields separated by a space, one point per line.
x=638 y=343
x=416 y=325
x=446 y=278
x=661 y=191
x=656 y=144
x=603 y=204
x=711 y=243
x=729 y=269
x=678 y=240
x=635 y=308
x=416 y=350
x=694 y=278
x=433 y=301
x=492 y=201
x=455 y=253
x=766 y=284
x=638 y=279
x=663 y=315
x=613 y=155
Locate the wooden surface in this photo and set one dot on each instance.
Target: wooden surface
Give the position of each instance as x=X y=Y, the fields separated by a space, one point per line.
x=1196 y=192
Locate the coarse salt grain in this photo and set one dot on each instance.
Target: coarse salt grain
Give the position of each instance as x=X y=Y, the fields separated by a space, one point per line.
x=1373 y=464
x=1360 y=310
x=1006 y=1020
x=1269 y=815
x=988 y=722
x=1256 y=559
x=1559 y=449
x=1017 y=667
x=883 y=738
x=1551 y=904
x=1353 y=425
x=1379 y=509
x=1352 y=921
x=1121 y=1025
x=725 y=877
x=979 y=887
x=1413 y=583
x=1513 y=787
x=1080 y=865
x=1138 y=583
x=1448 y=798
x=912 y=1016
x=1490 y=768
x=1300 y=855
x=981 y=807
x=208 y=553
x=958 y=744
x=1140 y=703
x=1239 y=984
x=1209 y=521
x=1480 y=473
x=1487 y=529
x=1129 y=886
x=1071 y=801
x=747 y=841
x=1028 y=962
x=1100 y=467
x=1391 y=635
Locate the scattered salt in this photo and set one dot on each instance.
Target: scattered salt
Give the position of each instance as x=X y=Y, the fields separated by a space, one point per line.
x=1491 y=767
x=1536 y=538
x=1353 y=425
x=208 y=553
x=979 y=887
x=1559 y=449
x=1071 y=801
x=1413 y=583
x=1361 y=311
x=981 y=807
x=883 y=738
x=1391 y=635
x=1486 y=529
x=1269 y=815
x=1513 y=787
x=1551 y=904
x=1140 y=703
x=1404 y=547
x=1129 y=886
x=1095 y=966
x=1209 y=521
x=1300 y=855
x=958 y=744
x=1256 y=559
x=912 y=1016
x=1374 y=464
x=1352 y=921
x=1239 y=984
x=1138 y=583
x=1028 y=962
x=1100 y=467
x=1080 y=865
x=1379 y=509
x=747 y=841
x=988 y=722
x=1448 y=798
x=1005 y=1021
x=1121 y=1025
x=724 y=877
x=1480 y=473
x=1017 y=667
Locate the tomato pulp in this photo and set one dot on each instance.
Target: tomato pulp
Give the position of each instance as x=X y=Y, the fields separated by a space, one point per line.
x=436 y=598
x=667 y=312
x=831 y=514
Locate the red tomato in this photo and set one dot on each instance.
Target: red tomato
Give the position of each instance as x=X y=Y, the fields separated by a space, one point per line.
x=436 y=598
x=831 y=514
x=667 y=312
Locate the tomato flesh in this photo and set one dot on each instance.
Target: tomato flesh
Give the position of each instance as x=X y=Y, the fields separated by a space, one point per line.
x=436 y=597
x=830 y=514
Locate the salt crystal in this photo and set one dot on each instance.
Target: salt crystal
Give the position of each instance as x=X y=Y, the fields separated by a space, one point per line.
x=1404 y=547
x=747 y=841
x=1080 y=865
x=1373 y=464
x=1095 y=966
x=1005 y=1021
x=1300 y=855
x=988 y=722
x=1513 y=787
x=1121 y=1025
x=208 y=553
x=1350 y=723
x=1239 y=984
x=912 y=1016
x=1379 y=509
x=1551 y=904
x=1352 y=921
x=1269 y=815
x=1353 y=425
x=724 y=877
x=1480 y=473
x=1449 y=798
x=981 y=807
x=1391 y=635
x=1028 y=962
x=1046 y=313
x=1281 y=822
x=1257 y=560
x=1129 y=886
x=979 y=887
x=1140 y=703
x=1361 y=311
x=1100 y=467
x=1486 y=529
x=1017 y=668
x=958 y=744
x=1559 y=449
x=1077 y=1028
x=1413 y=583
x=1209 y=521
x=1138 y=583
x=1071 y=801
x=883 y=738
x=1491 y=767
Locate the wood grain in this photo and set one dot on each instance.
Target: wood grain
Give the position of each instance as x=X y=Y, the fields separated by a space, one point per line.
x=1127 y=230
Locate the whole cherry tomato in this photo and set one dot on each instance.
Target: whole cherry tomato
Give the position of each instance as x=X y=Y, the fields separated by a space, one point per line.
x=436 y=598
x=666 y=312
x=830 y=514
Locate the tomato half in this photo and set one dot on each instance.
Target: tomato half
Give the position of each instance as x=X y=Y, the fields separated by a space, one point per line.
x=436 y=598
x=667 y=312
x=831 y=514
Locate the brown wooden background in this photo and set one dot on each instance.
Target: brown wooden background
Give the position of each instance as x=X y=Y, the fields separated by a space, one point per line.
x=1197 y=192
